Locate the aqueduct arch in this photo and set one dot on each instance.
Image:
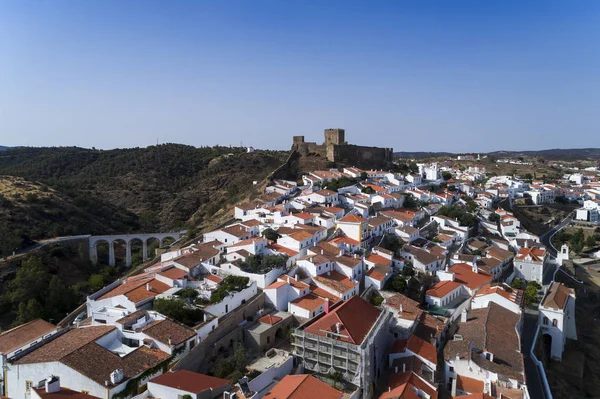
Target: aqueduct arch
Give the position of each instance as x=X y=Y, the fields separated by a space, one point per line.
x=128 y=239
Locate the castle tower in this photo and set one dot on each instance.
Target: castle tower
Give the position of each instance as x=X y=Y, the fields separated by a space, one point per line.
x=334 y=137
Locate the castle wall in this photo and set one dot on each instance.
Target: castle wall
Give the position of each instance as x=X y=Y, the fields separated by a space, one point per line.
x=359 y=155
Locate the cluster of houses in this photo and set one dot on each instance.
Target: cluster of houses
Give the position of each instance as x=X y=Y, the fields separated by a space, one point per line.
x=316 y=259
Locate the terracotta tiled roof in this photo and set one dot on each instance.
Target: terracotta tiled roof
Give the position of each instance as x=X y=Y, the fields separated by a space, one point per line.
x=407 y=308
x=348 y=260
x=300 y=236
x=443 y=288
x=463 y=274
x=213 y=278
x=64 y=345
x=293 y=282
x=422 y=348
x=236 y=231
x=24 y=334
x=302 y=215
x=512 y=294
x=63 y=393
x=302 y=386
x=96 y=362
x=162 y=330
x=251 y=223
x=173 y=273
x=379 y=272
x=189 y=381
x=320 y=292
x=557 y=296
x=275 y=285
x=270 y=319
x=537 y=254
x=309 y=302
x=352 y=218
x=325 y=193
x=325 y=248
x=378 y=259
x=132 y=317
x=403 y=385
x=491 y=329
x=470 y=385
x=336 y=281
x=141 y=292
x=345 y=240
x=281 y=249
x=355 y=318
x=247 y=241
x=499 y=253
x=398 y=346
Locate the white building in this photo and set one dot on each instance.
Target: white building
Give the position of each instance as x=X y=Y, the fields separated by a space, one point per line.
x=557 y=317
x=529 y=264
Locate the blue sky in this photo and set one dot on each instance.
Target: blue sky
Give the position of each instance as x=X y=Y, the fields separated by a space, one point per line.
x=412 y=75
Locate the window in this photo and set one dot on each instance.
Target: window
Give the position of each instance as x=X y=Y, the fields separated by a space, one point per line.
x=451 y=369
x=545 y=321
x=268 y=340
x=28 y=385
x=85 y=392
x=554 y=323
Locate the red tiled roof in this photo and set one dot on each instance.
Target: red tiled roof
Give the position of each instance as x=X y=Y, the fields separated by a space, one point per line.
x=135 y=289
x=352 y=218
x=512 y=294
x=270 y=319
x=24 y=334
x=336 y=281
x=302 y=386
x=173 y=273
x=402 y=385
x=537 y=254
x=62 y=394
x=189 y=381
x=293 y=282
x=379 y=272
x=557 y=296
x=422 y=348
x=442 y=288
x=281 y=249
x=163 y=330
x=213 y=278
x=275 y=285
x=378 y=259
x=470 y=385
x=355 y=318
x=309 y=302
x=346 y=240
x=398 y=346
x=463 y=273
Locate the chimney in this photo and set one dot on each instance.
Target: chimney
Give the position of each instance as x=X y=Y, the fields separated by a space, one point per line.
x=170 y=341
x=404 y=367
x=475 y=267
x=148 y=287
x=326 y=305
x=396 y=369
x=355 y=256
x=52 y=384
x=463 y=315
x=401 y=308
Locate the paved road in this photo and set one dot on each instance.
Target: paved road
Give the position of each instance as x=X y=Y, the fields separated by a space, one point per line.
x=534 y=382
x=40 y=244
x=546 y=238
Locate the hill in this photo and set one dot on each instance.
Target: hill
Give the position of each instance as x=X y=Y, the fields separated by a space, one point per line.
x=553 y=154
x=70 y=190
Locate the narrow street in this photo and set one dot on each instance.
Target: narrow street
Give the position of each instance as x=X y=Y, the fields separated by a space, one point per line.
x=533 y=380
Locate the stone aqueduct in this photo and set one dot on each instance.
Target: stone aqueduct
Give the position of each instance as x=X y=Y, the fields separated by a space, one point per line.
x=128 y=239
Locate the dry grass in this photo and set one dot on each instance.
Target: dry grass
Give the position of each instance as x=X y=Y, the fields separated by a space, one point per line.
x=16 y=188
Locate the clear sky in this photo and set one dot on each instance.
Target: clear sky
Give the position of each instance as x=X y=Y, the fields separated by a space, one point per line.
x=420 y=75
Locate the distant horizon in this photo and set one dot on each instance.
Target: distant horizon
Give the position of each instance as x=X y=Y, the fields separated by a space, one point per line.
x=275 y=149
x=460 y=76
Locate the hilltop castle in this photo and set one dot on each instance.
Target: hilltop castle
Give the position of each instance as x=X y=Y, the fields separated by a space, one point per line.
x=337 y=149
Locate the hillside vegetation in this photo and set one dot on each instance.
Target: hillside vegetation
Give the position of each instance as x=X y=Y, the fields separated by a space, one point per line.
x=48 y=192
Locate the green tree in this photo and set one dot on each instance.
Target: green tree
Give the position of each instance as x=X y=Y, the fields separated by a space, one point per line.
x=179 y=310
x=270 y=234
x=447 y=175
x=410 y=202
x=494 y=217
x=530 y=294
x=377 y=300
x=96 y=282
x=363 y=175
x=518 y=284
x=590 y=241
x=28 y=312
x=31 y=281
